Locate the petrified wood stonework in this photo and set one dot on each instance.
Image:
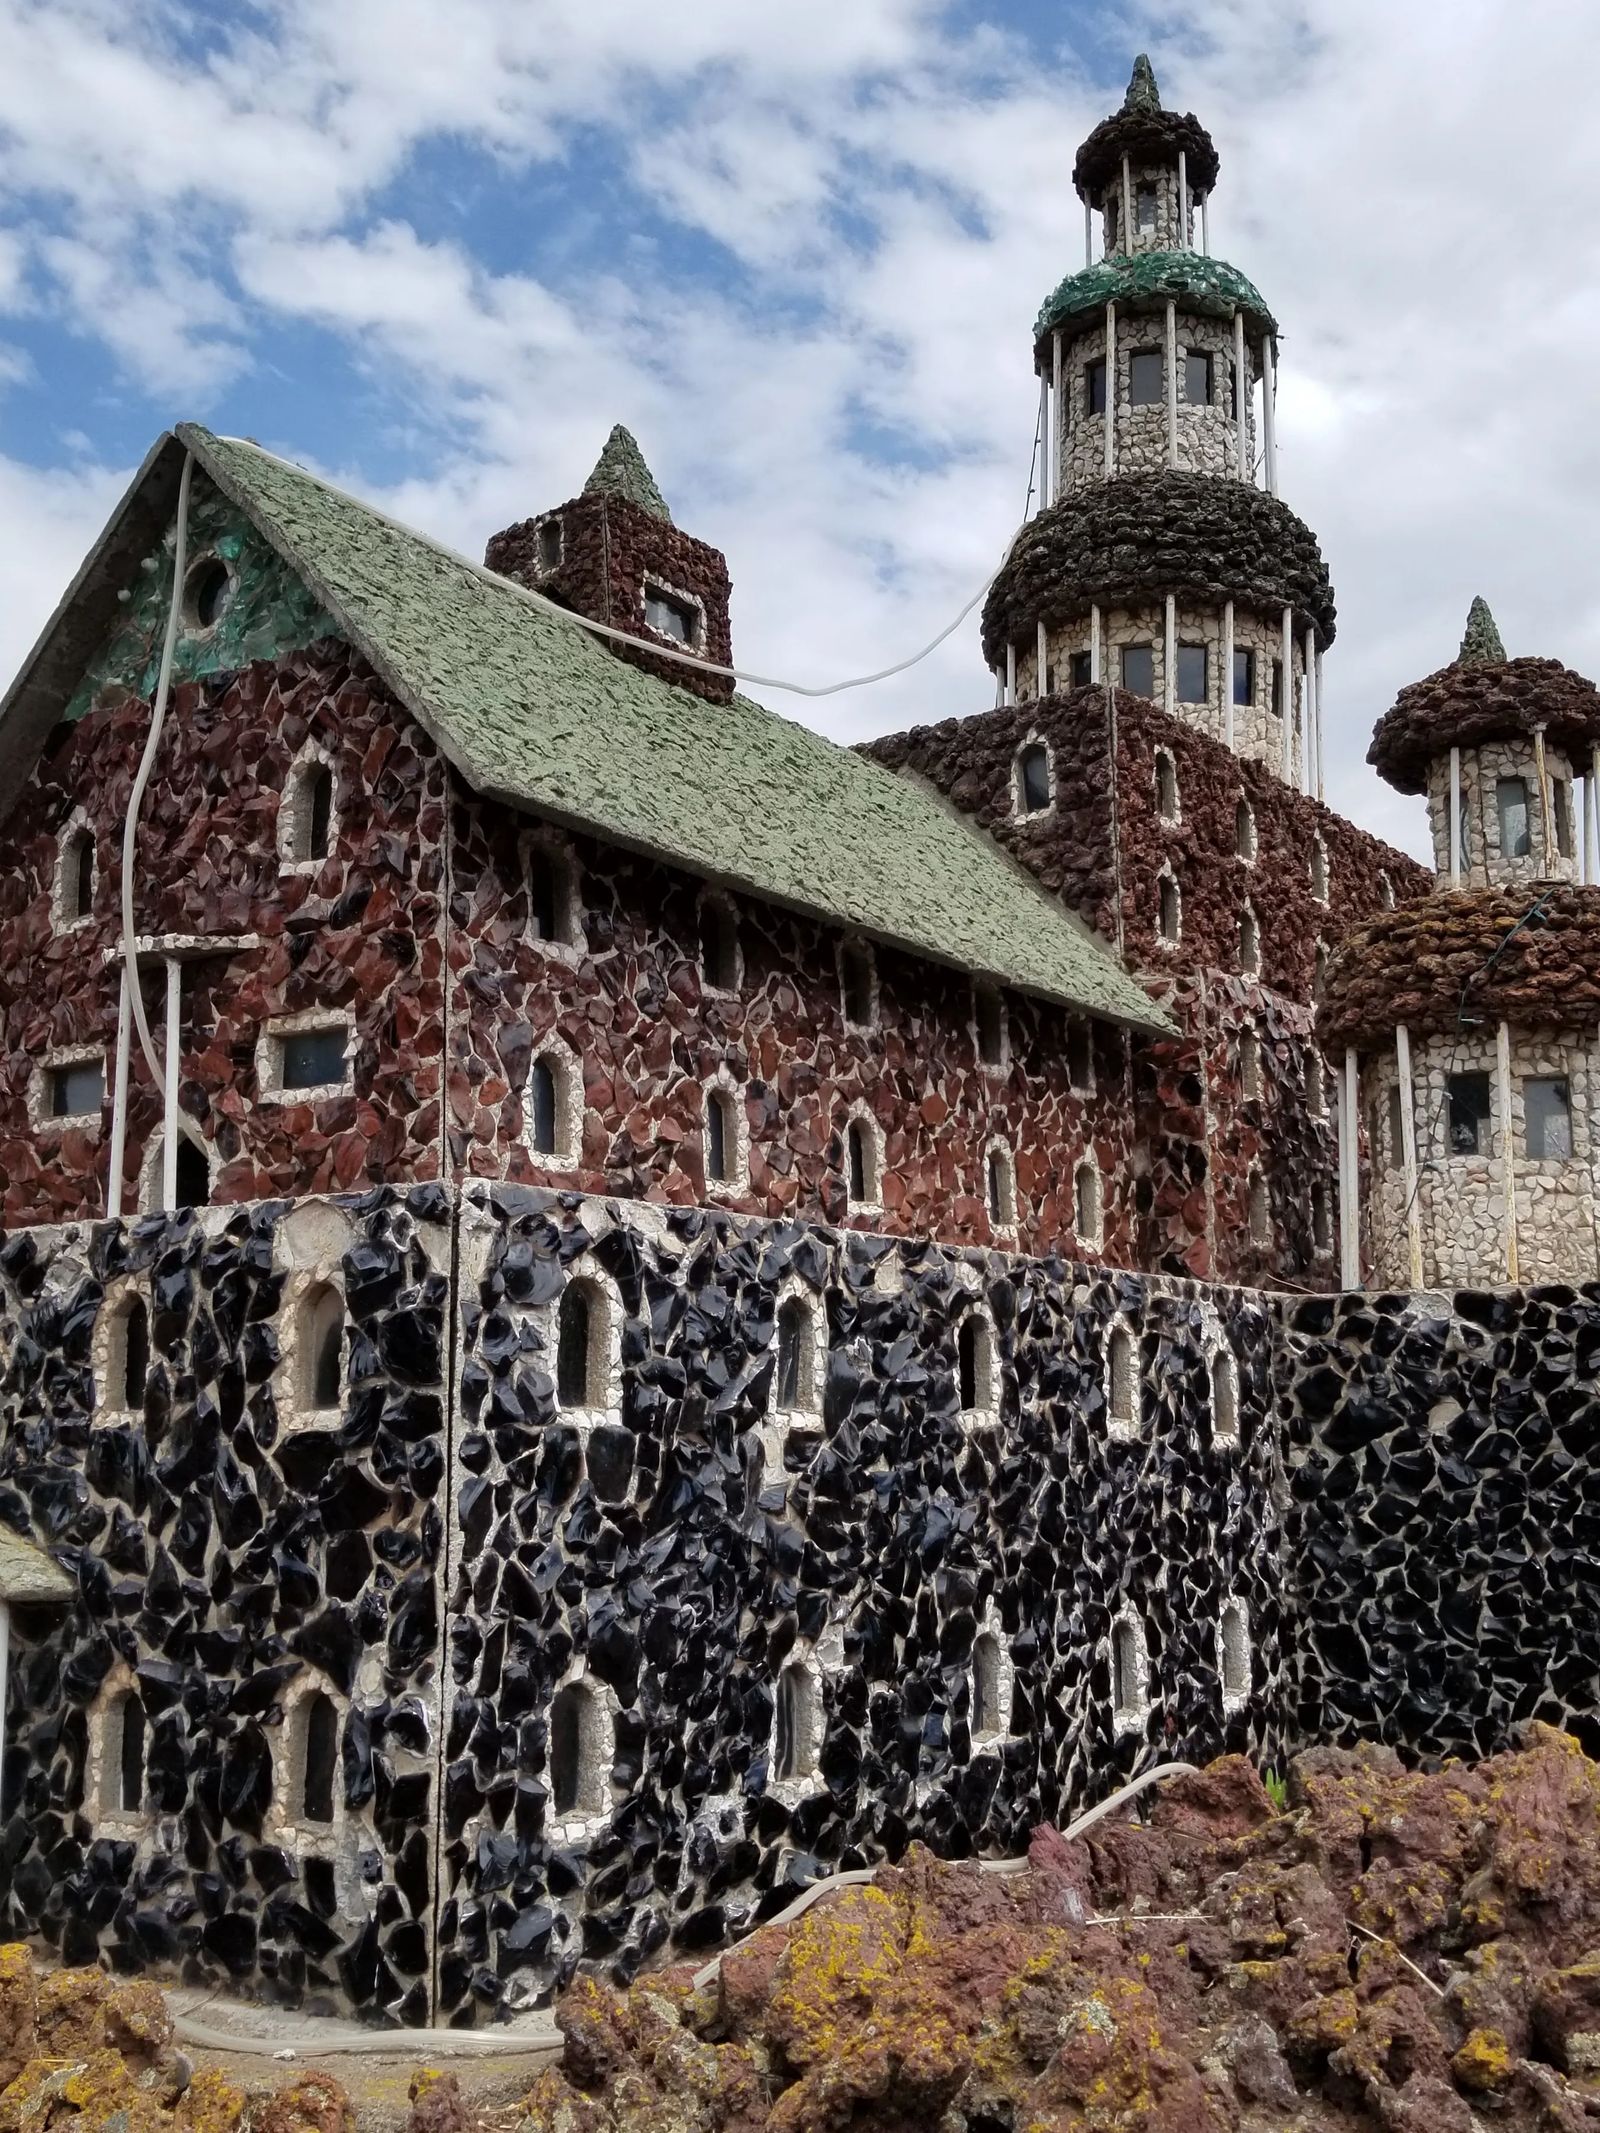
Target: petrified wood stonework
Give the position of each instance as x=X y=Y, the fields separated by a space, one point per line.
x=1528 y=956
x=1123 y=542
x=1472 y=701
x=1144 y=134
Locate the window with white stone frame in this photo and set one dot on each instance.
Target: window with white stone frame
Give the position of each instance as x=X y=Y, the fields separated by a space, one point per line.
x=116 y=1769
x=120 y=1353
x=584 y=1330
x=68 y=1089
x=863 y=1162
x=1249 y=943
x=1547 y=1118
x=552 y=1106
x=1147 y=377
x=992 y=1685
x=1122 y=1380
x=196 y=1167
x=550 y=541
x=1223 y=1372
x=581 y=1756
x=313 y=1349
x=1166 y=782
x=1129 y=1659
x=1192 y=679
x=1233 y=1655
x=1260 y=1211
x=1249 y=1066
x=726 y=1136
x=308 y=1795
x=1033 y=778
x=800 y=1339
x=676 y=616
x=799 y=1726
x=1169 y=909
x=1088 y=1205
x=308 y=817
x=555 y=908
x=977 y=1367
x=72 y=895
x=307 y=1057
x=1244 y=832
x=1000 y=1185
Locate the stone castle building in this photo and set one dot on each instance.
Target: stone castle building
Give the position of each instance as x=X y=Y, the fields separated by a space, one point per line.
x=606 y=1305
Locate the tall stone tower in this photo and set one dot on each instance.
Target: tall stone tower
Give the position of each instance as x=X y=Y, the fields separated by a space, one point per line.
x=1468 y=1018
x=1161 y=558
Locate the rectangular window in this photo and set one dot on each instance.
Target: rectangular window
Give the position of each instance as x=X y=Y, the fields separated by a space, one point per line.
x=1144 y=206
x=1547 y=1119
x=1147 y=385
x=1278 y=703
x=1094 y=386
x=1194 y=685
x=1469 y=1114
x=1244 y=677
x=1511 y=803
x=1233 y=392
x=76 y=1091
x=1464 y=826
x=1139 y=669
x=1397 y=1131
x=311 y=1058
x=990 y=1016
x=669 y=617
x=1197 y=379
x=1080 y=1054
x=1561 y=808
x=1080 y=669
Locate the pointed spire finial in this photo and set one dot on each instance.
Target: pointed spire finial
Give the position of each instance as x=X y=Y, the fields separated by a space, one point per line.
x=1482 y=639
x=620 y=471
x=1143 y=95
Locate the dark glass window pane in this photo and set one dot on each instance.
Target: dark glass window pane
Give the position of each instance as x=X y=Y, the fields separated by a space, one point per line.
x=572 y=1348
x=1197 y=380
x=136 y=1355
x=566 y=1748
x=1396 y=1129
x=80 y=876
x=1469 y=1114
x=319 y=810
x=794 y=1331
x=997 y=1186
x=322 y=1757
x=312 y=1058
x=1139 y=669
x=609 y=1458
x=1146 y=378
x=75 y=1091
x=1094 y=387
x=542 y=1103
x=1033 y=778
x=1194 y=685
x=1561 y=808
x=194 y=1175
x=967 y=1362
x=1244 y=677
x=856 y=1140
x=1233 y=391
x=1081 y=670
x=1511 y=799
x=130 y=1758
x=1144 y=206
x=1277 y=688
x=669 y=617
x=716 y=1139
x=1547 y=1110
x=549 y=543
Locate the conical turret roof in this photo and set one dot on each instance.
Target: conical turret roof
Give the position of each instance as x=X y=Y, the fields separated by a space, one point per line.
x=620 y=471
x=1146 y=134
x=1143 y=95
x=1480 y=640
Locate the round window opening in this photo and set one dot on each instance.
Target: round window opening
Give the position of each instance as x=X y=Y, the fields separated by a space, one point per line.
x=206 y=592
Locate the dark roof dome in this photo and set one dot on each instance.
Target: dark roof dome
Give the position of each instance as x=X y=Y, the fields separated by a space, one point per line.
x=1144 y=133
x=1482 y=696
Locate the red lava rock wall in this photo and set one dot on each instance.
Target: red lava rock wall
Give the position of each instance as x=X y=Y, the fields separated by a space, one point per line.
x=363 y=932
x=609 y=547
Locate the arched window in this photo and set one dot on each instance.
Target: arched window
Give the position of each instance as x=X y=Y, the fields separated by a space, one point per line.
x=1319 y=870
x=319 y=810
x=552 y=1106
x=306 y=813
x=1260 y=1210
x=1087 y=1207
x=975 y=1364
x=1130 y=1674
x=580 y=1775
x=1385 y=892
x=122 y=1778
x=1033 y=780
x=552 y=896
x=1249 y=1065
x=719 y=943
x=319 y=1756
x=543 y=1108
x=797 y=1727
x=1166 y=786
x=321 y=1346
x=988 y=1719
x=1000 y=1179
x=134 y=1356
x=722 y=1138
x=75 y=876
x=1120 y=1382
x=1224 y=1397
x=1244 y=832
x=1249 y=945
x=1233 y=1654
x=797 y=1356
x=861 y=1162
x=578 y=1350
x=1169 y=914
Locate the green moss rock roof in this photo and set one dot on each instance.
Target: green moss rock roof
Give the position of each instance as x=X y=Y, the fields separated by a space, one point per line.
x=1194 y=281
x=535 y=711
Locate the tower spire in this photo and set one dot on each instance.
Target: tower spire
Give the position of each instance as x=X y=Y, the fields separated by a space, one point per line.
x=620 y=471
x=1143 y=95
x=1481 y=643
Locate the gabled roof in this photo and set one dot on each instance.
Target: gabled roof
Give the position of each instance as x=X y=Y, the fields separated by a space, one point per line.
x=535 y=712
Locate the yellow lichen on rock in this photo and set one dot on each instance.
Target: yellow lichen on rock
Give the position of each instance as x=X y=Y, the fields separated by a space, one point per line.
x=1485 y=2062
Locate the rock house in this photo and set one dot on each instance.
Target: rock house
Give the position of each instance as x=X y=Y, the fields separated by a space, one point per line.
x=607 y=1305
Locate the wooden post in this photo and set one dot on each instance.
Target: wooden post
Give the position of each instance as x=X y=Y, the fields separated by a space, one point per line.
x=1172 y=383
x=1241 y=401
x=1350 y=1175
x=1111 y=390
x=1455 y=818
x=1408 y=1152
x=1227 y=673
x=1508 y=1164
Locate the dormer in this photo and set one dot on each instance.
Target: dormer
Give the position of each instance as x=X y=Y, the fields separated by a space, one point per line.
x=613 y=554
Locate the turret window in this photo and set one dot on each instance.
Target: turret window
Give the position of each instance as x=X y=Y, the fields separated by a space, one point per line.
x=858 y=984
x=1470 y=1111
x=671 y=617
x=719 y=943
x=1547 y=1119
x=1561 y=809
x=549 y=542
x=1244 y=832
x=1197 y=380
x=1194 y=680
x=1094 y=386
x=1147 y=384
x=1244 y=677
x=1080 y=670
x=1139 y=669
x=1033 y=779
x=1511 y=803
x=1144 y=207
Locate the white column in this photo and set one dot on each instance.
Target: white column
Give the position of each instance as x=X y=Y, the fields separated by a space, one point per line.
x=1169 y=660
x=1088 y=234
x=1508 y=1165
x=169 y=1138
x=1313 y=714
x=1111 y=390
x=1041 y=661
x=1044 y=444
x=1455 y=818
x=1227 y=673
x=1172 y=383
x=1241 y=402
x=1127 y=208
x=1319 y=722
x=1350 y=1176
x=1095 y=660
x=1408 y=1152
x=1588 y=828
x=1269 y=425
x=1056 y=413
x=1205 y=227
x=1593 y=792
x=1183 y=201
x=1286 y=696
x=119 y=1100
x=1011 y=673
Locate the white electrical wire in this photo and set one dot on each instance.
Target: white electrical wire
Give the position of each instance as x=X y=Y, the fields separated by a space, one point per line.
x=621 y=636
x=541 y=2033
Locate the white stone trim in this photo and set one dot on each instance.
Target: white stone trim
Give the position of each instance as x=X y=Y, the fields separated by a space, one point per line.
x=720 y=900
x=1086 y=1180
x=1258 y=1201
x=102 y=1765
x=813 y=1356
x=853 y=944
x=1244 y=815
x=76 y=830
x=1222 y=1380
x=294 y=814
x=1174 y=819
x=872 y=1202
x=990 y=1629
x=1122 y=1423
x=1130 y=1697
x=1033 y=738
x=43 y=1118
x=1004 y=1221
x=1234 y=1652
x=604 y=1371
x=1321 y=870
x=269 y=1055
x=292 y=1380
x=736 y=1138
x=813 y=1662
x=597 y=1758
x=286 y=1818
x=568 y=939
x=567 y=1070
x=987 y=1373
x=108 y=1350
x=1164 y=940
x=653 y=582
x=1249 y=941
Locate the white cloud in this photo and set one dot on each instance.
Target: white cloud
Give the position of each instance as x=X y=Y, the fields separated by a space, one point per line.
x=52 y=518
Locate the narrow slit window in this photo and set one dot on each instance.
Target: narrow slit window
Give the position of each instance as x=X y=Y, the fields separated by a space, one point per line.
x=1260 y=1212
x=796 y=1727
x=1547 y=1116
x=1278 y=703
x=321 y=1751
x=1464 y=824
x=1244 y=677
x=543 y=1108
x=1002 y=1189
x=1561 y=809
x=1139 y=669
x=1397 y=1129
x=1080 y=1055
x=1469 y=1107
x=721 y=1137
x=1234 y=1640
x=128 y=1794
x=322 y=1332
x=578 y=1774
x=194 y=1174
x=1166 y=786
x=1321 y=1219
x=1119 y=1378
x=1144 y=207
x=1249 y=1066
x=1129 y=1693
x=1080 y=669
x=1249 y=945
x=135 y=1355
x=1244 y=831
x=77 y=876
x=990 y=1016
x=796 y=1361
x=319 y=810
x=1167 y=915
x=1224 y=1396
x=719 y=945
x=550 y=543
x=1511 y=804
x=1194 y=676
x=1197 y=379
x=608 y=1461
x=1033 y=779
x=1094 y=386
x=975 y=1364
x=575 y=1338
x=856 y=983
x=1319 y=871
x=549 y=895
x=986 y=1712
x=1086 y=1204
x=861 y=1157
x=1147 y=378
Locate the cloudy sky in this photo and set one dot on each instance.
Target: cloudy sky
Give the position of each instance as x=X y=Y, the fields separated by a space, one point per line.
x=437 y=247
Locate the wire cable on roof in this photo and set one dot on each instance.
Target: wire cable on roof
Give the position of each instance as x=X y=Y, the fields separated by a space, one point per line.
x=659 y=651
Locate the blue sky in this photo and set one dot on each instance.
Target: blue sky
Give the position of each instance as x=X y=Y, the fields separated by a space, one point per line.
x=436 y=247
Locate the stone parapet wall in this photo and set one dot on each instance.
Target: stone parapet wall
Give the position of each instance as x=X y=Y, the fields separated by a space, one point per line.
x=1485 y=862
x=1207 y=435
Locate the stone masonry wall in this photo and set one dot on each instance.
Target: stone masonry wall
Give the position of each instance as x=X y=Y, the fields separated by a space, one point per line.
x=1483 y=863
x=1207 y=435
